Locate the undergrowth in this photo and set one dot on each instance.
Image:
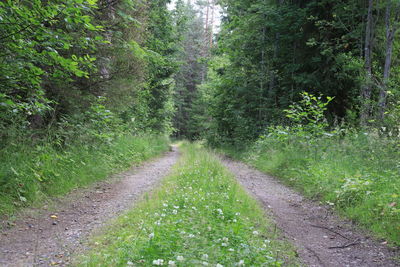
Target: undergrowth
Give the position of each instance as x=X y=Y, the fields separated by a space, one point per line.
x=29 y=174
x=200 y=216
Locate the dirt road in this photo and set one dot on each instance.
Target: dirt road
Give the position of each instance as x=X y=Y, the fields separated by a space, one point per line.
x=47 y=237
x=322 y=239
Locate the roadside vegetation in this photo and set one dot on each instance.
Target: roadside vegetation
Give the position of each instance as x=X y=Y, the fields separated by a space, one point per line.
x=29 y=175
x=200 y=216
x=355 y=172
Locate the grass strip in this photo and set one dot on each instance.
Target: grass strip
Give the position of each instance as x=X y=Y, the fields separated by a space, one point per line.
x=28 y=175
x=200 y=216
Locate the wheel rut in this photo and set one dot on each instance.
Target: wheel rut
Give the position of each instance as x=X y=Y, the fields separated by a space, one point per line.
x=49 y=236
x=321 y=238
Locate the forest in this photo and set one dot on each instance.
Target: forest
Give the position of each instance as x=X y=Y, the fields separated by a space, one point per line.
x=303 y=90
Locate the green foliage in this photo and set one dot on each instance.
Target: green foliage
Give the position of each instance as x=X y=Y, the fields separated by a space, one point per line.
x=200 y=216
x=50 y=42
x=309 y=111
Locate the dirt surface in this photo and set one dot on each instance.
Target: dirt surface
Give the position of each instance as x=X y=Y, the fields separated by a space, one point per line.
x=322 y=238
x=48 y=237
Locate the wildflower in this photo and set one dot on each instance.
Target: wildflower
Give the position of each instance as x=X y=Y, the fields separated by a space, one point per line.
x=220 y=211
x=165 y=204
x=231 y=250
x=237 y=213
x=175 y=212
x=194 y=208
x=151 y=235
x=204 y=257
x=209 y=228
x=158 y=262
x=129 y=263
x=162 y=215
x=225 y=239
x=224 y=244
x=191 y=236
x=219 y=265
x=171 y=263
x=241 y=263
x=255 y=233
x=205 y=263
x=234 y=220
x=176 y=207
x=180 y=258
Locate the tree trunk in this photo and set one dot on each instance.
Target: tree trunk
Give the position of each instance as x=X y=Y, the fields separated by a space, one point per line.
x=390 y=33
x=274 y=57
x=366 y=89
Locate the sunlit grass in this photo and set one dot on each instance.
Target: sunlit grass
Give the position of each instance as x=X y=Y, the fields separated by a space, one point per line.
x=29 y=174
x=199 y=217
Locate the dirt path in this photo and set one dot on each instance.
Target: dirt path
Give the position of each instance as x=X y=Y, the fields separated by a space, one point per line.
x=321 y=238
x=39 y=240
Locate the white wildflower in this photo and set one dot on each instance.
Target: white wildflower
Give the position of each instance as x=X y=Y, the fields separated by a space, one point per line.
x=255 y=233
x=241 y=263
x=151 y=235
x=191 y=235
x=219 y=265
x=225 y=239
x=231 y=250
x=176 y=207
x=175 y=212
x=204 y=257
x=158 y=262
x=165 y=204
x=180 y=258
x=205 y=263
x=237 y=213
x=224 y=244
x=171 y=263
x=129 y=263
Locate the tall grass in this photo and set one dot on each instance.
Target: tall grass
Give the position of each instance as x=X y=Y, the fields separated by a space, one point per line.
x=200 y=216
x=28 y=174
x=358 y=175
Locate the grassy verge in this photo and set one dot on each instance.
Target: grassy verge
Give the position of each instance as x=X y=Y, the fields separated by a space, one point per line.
x=200 y=216
x=30 y=174
x=359 y=175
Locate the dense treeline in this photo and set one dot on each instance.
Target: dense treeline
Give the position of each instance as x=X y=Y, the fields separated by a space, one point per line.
x=271 y=51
